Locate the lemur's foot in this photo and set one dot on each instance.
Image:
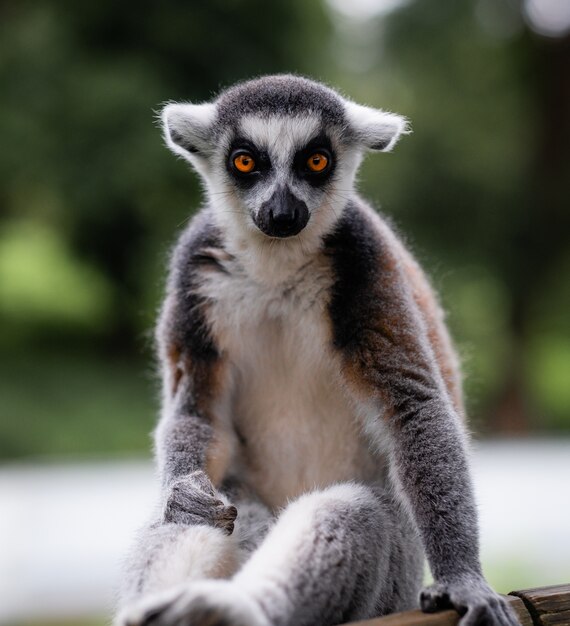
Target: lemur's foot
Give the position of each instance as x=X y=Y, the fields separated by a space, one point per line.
x=193 y=500
x=204 y=603
x=472 y=598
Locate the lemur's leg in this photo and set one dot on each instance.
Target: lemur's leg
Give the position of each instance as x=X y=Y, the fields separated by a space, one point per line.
x=168 y=553
x=340 y=554
x=165 y=555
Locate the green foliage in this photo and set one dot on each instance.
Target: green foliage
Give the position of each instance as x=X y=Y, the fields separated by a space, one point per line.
x=40 y=281
x=75 y=404
x=476 y=306
x=90 y=199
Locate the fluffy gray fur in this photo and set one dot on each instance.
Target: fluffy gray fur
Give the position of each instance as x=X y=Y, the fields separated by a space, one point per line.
x=312 y=444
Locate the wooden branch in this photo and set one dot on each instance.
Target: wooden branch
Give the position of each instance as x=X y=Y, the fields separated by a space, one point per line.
x=548 y=606
x=544 y=606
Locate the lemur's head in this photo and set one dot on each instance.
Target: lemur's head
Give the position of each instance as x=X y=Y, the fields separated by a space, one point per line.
x=278 y=154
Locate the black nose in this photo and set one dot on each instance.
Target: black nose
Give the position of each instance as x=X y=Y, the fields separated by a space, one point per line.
x=283 y=215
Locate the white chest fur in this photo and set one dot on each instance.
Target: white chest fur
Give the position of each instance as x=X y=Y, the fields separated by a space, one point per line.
x=296 y=424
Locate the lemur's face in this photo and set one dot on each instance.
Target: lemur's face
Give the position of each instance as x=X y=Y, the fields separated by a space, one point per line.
x=282 y=170
x=278 y=154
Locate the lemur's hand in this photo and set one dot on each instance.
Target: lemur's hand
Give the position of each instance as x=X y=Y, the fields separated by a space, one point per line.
x=193 y=500
x=472 y=598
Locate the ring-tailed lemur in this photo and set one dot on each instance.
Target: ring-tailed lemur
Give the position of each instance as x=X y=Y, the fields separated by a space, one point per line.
x=310 y=387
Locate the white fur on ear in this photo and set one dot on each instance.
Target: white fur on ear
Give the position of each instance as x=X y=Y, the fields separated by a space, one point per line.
x=376 y=129
x=187 y=128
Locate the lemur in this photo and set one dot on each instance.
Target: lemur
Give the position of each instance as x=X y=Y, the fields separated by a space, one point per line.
x=312 y=443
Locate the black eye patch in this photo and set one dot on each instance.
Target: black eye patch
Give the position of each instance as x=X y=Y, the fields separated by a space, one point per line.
x=303 y=162
x=261 y=164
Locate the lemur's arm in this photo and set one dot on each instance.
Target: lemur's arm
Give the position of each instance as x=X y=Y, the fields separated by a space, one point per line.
x=388 y=357
x=190 y=444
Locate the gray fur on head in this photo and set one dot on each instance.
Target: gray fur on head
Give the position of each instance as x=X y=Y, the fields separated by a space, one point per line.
x=195 y=128
x=278 y=118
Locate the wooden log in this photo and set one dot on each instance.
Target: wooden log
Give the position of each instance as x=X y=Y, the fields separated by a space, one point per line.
x=544 y=606
x=441 y=618
x=548 y=606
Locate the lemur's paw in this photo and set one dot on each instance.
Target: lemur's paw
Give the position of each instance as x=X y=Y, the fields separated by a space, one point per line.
x=473 y=599
x=193 y=500
x=204 y=603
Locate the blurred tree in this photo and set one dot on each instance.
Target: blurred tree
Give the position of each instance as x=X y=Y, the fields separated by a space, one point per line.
x=541 y=237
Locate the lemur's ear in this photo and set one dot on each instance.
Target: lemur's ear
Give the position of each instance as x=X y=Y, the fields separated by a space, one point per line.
x=187 y=128
x=375 y=129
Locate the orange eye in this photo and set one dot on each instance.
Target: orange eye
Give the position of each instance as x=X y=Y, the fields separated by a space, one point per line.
x=244 y=163
x=317 y=162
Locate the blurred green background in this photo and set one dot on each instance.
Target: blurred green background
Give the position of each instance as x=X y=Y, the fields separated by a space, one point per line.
x=90 y=200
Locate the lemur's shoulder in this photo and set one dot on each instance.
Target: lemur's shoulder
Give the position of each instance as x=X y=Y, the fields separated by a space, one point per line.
x=183 y=323
x=363 y=256
x=356 y=235
x=372 y=266
x=199 y=244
